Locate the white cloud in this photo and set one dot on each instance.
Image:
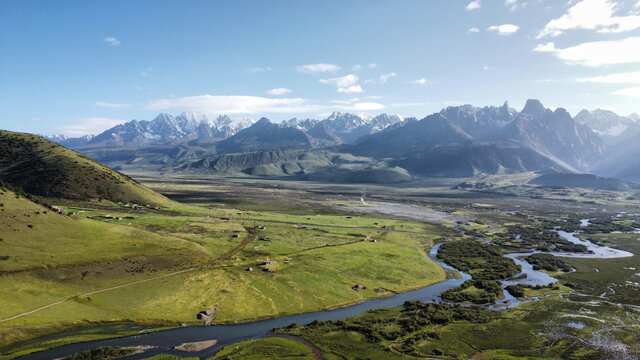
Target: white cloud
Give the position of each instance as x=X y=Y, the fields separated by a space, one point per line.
x=356 y=68
x=350 y=89
x=632 y=92
x=84 y=126
x=485 y=68
x=112 y=41
x=619 y=78
x=597 y=53
x=385 y=77
x=238 y=104
x=112 y=105
x=147 y=72
x=318 y=68
x=279 y=91
x=421 y=81
x=591 y=15
x=372 y=66
x=233 y=104
x=257 y=69
x=473 y=30
x=504 y=29
x=475 y=4
x=345 y=84
x=548 y=47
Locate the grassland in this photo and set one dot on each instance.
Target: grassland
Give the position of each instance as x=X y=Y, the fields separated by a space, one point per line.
x=118 y=270
x=104 y=264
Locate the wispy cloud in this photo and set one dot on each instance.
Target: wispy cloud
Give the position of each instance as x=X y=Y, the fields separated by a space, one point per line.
x=473 y=30
x=619 y=78
x=345 y=84
x=279 y=91
x=504 y=29
x=84 y=126
x=318 y=68
x=595 y=15
x=421 y=81
x=372 y=66
x=597 y=53
x=257 y=69
x=112 y=41
x=385 y=77
x=356 y=68
x=514 y=5
x=476 y=4
x=239 y=104
x=112 y=105
x=632 y=92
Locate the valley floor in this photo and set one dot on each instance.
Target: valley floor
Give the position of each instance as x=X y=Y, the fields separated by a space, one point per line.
x=250 y=249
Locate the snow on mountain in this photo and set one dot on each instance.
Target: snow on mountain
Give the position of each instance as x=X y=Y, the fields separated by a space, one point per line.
x=163 y=129
x=348 y=127
x=606 y=123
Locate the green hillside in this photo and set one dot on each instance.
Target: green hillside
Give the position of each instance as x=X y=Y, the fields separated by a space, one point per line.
x=41 y=167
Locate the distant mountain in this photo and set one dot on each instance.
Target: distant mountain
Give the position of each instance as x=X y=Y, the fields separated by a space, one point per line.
x=554 y=134
x=267 y=136
x=346 y=126
x=41 y=167
x=551 y=134
x=480 y=123
x=474 y=159
x=606 y=123
x=69 y=141
x=409 y=136
x=462 y=141
x=164 y=129
x=458 y=141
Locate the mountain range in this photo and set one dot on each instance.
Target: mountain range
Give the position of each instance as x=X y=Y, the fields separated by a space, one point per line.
x=458 y=141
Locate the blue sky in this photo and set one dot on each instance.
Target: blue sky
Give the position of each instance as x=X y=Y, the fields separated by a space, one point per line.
x=79 y=67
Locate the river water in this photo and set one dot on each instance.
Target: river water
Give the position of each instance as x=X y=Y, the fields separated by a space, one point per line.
x=163 y=341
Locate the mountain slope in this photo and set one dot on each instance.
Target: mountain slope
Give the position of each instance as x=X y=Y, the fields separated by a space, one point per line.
x=554 y=134
x=475 y=159
x=267 y=136
x=409 y=136
x=41 y=167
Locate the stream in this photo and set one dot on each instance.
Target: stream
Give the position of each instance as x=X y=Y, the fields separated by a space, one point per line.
x=161 y=342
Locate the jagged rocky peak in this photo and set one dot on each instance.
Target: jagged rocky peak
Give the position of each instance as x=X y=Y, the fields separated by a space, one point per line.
x=262 y=122
x=533 y=107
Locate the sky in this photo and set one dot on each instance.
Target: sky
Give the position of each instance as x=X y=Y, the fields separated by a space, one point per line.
x=80 y=67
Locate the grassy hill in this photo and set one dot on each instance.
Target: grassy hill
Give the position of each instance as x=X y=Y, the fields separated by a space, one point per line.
x=41 y=167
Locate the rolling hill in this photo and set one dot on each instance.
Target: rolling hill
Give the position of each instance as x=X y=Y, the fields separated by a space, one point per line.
x=44 y=168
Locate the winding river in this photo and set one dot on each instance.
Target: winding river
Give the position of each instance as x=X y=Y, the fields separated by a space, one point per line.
x=161 y=342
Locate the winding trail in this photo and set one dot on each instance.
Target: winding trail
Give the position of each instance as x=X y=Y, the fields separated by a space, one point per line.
x=317 y=225
x=316 y=352
x=251 y=234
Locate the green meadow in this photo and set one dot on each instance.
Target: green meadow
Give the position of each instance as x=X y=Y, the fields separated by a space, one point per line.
x=98 y=265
